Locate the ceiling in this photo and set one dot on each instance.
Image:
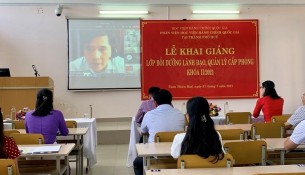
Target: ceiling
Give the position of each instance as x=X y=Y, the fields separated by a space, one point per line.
x=152 y=2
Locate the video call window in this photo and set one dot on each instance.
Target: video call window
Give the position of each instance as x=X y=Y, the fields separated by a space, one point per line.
x=103 y=54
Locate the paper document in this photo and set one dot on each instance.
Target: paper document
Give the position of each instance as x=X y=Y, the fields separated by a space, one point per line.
x=39 y=149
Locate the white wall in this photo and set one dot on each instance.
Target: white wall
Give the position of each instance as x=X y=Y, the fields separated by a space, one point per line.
x=34 y=35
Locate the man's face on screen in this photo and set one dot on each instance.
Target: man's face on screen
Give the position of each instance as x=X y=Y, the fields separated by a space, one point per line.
x=98 y=53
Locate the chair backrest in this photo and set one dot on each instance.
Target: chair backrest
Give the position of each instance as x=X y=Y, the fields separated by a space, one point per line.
x=71 y=124
x=247 y=152
x=18 y=124
x=280 y=118
x=24 y=139
x=268 y=130
x=8 y=133
x=231 y=134
x=7 y=167
x=238 y=118
x=166 y=136
x=195 y=161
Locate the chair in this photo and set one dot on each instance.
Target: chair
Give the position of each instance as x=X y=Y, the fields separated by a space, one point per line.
x=238 y=118
x=8 y=133
x=232 y=134
x=26 y=139
x=165 y=162
x=268 y=130
x=195 y=161
x=18 y=124
x=247 y=152
x=71 y=124
x=7 y=167
x=166 y=136
x=280 y=118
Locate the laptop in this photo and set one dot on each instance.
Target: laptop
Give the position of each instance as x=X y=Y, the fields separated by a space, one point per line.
x=5 y=72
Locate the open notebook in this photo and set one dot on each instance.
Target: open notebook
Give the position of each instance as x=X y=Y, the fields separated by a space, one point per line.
x=39 y=149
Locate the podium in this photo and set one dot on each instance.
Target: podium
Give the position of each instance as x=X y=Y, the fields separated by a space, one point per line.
x=21 y=92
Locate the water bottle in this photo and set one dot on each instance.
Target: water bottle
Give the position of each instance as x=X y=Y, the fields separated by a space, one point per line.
x=226 y=108
x=13 y=113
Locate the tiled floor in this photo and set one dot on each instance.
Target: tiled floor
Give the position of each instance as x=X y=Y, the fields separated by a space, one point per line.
x=111 y=160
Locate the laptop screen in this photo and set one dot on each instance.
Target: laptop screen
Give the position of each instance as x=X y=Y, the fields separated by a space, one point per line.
x=5 y=72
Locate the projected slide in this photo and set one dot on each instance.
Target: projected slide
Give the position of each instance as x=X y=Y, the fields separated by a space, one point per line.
x=103 y=54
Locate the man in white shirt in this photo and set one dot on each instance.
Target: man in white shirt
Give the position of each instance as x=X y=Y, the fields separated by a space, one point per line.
x=297 y=137
x=298 y=115
x=164 y=118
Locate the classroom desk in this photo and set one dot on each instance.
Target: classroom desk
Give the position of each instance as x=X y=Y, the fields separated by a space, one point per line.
x=221 y=119
x=79 y=133
x=245 y=127
x=249 y=170
x=277 y=144
x=148 y=150
x=64 y=151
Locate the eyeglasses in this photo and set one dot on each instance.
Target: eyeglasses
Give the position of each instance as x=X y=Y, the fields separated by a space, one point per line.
x=261 y=87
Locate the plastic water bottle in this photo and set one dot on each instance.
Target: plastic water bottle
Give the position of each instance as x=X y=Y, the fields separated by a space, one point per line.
x=226 y=108
x=13 y=113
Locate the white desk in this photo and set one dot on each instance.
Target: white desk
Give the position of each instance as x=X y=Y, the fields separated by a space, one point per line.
x=221 y=120
x=64 y=151
x=79 y=134
x=277 y=144
x=90 y=138
x=249 y=170
x=133 y=140
x=8 y=125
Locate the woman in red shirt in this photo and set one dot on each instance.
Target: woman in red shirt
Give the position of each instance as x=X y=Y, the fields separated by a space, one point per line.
x=270 y=103
x=8 y=147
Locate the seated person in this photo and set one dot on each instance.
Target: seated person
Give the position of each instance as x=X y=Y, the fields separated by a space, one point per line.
x=8 y=147
x=44 y=119
x=146 y=105
x=201 y=138
x=297 y=117
x=164 y=118
x=270 y=103
x=296 y=138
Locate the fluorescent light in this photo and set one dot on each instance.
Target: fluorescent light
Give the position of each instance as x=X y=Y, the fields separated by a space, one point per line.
x=133 y=12
x=216 y=11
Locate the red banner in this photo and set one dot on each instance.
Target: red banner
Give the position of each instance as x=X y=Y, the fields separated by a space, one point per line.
x=211 y=58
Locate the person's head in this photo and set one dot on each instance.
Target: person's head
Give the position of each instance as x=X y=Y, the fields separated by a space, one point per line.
x=44 y=102
x=152 y=90
x=268 y=89
x=201 y=137
x=163 y=96
x=97 y=51
x=2 y=151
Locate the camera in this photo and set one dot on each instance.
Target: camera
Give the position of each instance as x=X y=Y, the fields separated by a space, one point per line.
x=58 y=11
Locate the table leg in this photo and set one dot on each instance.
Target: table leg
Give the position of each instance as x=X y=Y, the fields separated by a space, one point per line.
x=282 y=157
x=58 y=165
x=82 y=155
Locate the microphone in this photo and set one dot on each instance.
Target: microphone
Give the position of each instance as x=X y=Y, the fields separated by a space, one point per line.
x=35 y=70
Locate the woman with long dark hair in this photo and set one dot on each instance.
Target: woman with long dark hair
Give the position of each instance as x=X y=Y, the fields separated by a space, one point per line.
x=201 y=138
x=8 y=147
x=270 y=103
x=44 y=119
